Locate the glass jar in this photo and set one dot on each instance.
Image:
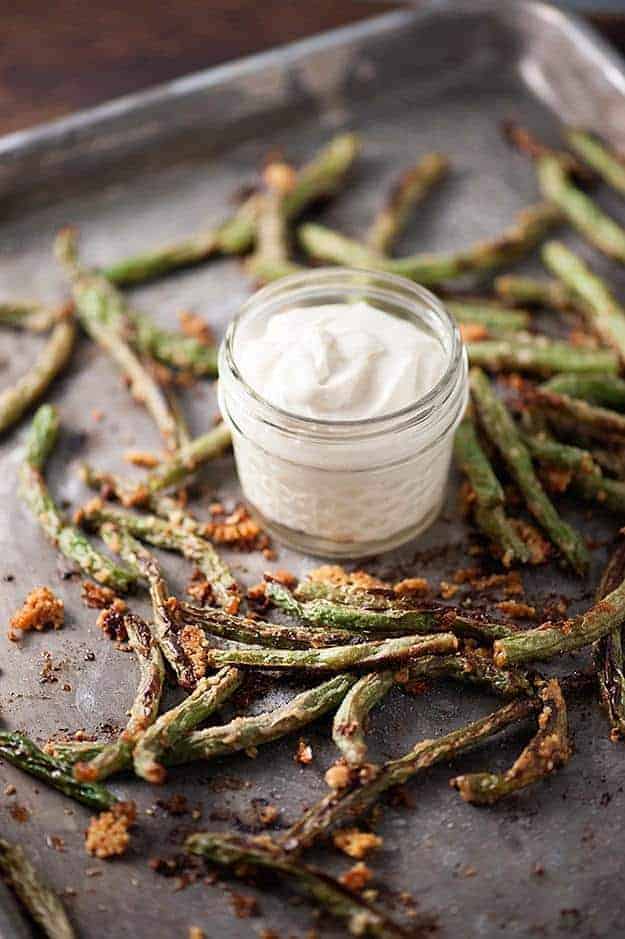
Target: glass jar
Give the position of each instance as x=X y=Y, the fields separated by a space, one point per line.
x=345 y=489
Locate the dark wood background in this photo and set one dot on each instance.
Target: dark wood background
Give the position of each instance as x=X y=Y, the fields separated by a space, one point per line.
x=60 y=55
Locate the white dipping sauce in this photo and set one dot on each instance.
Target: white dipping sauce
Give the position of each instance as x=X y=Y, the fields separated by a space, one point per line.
x=335 y=446
x=339 y=362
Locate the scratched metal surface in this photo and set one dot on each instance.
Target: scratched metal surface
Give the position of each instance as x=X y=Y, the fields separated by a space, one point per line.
x=150 y=169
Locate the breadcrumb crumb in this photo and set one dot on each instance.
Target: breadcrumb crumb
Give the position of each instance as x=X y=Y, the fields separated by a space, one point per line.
x=142 y=458
x=338 y=776
x=286 y=578
x=516 y=609
x=414 y=585
x=337 y=575
x=41 y=610
x=193 y=642
x=357 y=877
x=111 y=621
x=107 y=835
x=355 y=843
x=192 y=324
x=473 y=332
x=303 y=754
x=95 y=596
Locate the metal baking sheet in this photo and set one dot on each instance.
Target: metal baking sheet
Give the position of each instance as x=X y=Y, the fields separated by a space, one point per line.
x=148 y=168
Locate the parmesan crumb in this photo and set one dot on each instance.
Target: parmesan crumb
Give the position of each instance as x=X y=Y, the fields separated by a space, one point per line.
x=142 y=458
x=337 y=575
x=41 y=610
x=338 y=776
x=415 y=585
x=193 y=642
x=95 y=596
x=355 y=843
x=357 y=877
x=303 y=754
x=111 y=621
x=107 y=835
x=191 y=324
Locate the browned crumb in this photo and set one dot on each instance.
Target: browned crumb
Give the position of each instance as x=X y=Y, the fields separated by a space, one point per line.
x=10 y=790
x=199 y=588
x=95 y=596
x=510 y=583
x=539 y=546
x=357 y=877
x=41 y=610
x=268 y=814
x=191 y=324
x=447 y=590
x=286 y=578
x=466 y=575
x=234 y=605
x=244 y=906
x=216 y=508
x=279 y=176
x=142 y=458
x=177 y=804
x=473 y=332
x=582 y=339
x=47 y=674
x=303 y=754
x=19 y=813
x=193 y=642
x=335 y=574
x=268 y=934
x=338 y=776
x=196 y=933
x=237 y=530
x=514 y=608
x=355 y=843
x=412 y=585
x=556 y=479
x=257 y=592
x=111 y=621
x=107 y=835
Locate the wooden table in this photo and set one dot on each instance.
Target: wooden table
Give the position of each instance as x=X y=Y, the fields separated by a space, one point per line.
x=56 y=58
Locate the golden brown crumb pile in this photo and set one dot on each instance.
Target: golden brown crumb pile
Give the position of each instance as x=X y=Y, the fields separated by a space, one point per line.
x=355 y=843
x=95 y=596
x=107 y=835
x=337 y=575
x=196 y=933
x=236 y=530
x=41 y=610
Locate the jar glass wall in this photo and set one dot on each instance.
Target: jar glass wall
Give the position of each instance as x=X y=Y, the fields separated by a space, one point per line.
x=344 y=488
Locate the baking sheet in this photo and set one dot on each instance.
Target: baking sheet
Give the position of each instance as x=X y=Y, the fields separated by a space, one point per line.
x=152 y=167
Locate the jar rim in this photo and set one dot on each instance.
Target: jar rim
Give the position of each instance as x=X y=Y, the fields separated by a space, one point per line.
x=323 y=279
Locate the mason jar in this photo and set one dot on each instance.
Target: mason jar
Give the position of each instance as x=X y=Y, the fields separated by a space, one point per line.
x=344 y=489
